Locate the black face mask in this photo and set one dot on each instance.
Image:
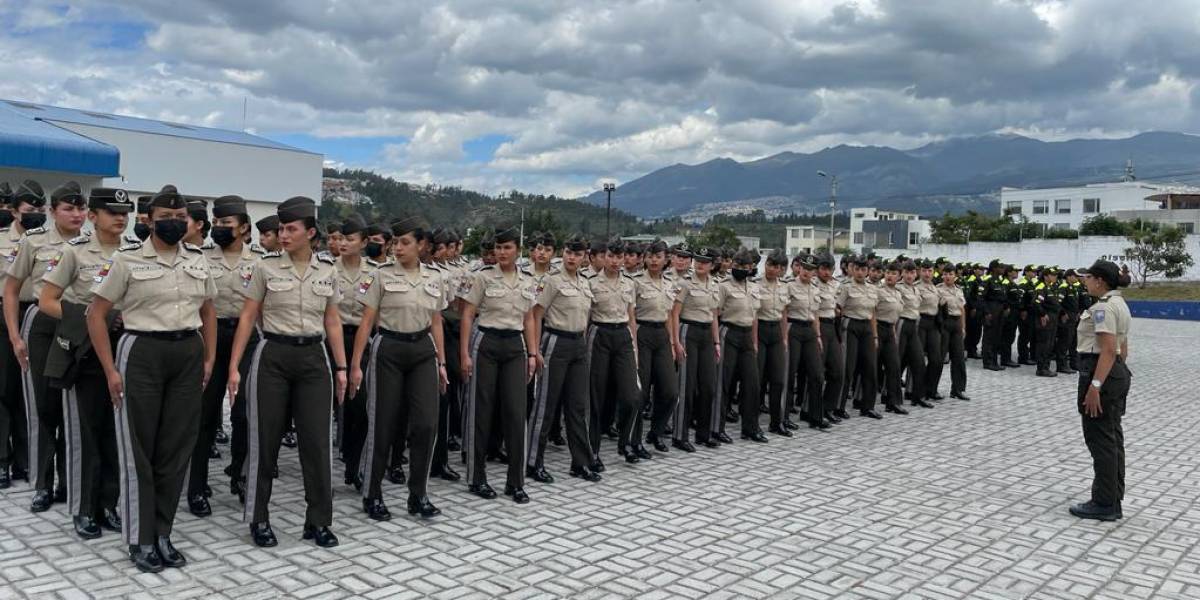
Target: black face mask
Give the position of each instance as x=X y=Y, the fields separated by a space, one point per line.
x=141 y=230
x=170 y=231
x=742 y=274
x=374 y=249
x=32 y=220
x=223 y=236
x=6 y=218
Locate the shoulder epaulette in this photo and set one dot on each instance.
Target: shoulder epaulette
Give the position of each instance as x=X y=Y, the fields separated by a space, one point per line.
x=35 y=231
x=326 y=258
x=257 y=249
x=130 y=246
x=275 y=254
x=486 y=268
x=79 y=240
x=587 y=275
x=627 y=275
x=433 y=267
x=208 y=245
x=130 y=239
x=192 y=248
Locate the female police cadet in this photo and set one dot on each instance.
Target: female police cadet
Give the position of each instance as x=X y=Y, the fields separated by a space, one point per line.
x=32 y=338
x=166 y=294
x=887 y=325
x=612 y=354
x=697 y=343
x=911 y=358
x=857 y=300
x=562 y=308
x=806 y=371
x=352 y=274
x=91 y=448
x=954 y=327
x=295 y=293
x=772 y=345
x=654 y=293
x=1104 y=378
x=406 y=368
x=929 y=330
x=498 y=358
x=737 y=311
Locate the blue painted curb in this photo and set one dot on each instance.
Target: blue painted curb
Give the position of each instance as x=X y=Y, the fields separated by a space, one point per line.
x=1165 y=309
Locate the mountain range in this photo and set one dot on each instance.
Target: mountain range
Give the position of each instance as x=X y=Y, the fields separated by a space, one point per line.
x=954 y=175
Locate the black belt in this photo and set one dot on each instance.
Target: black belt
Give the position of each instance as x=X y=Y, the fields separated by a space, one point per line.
x=800 y=322
x=611 y=325
x=173 y=336
x=501 y=333
x=696 y=323
x=888 y=323
x=294 y=340
x=571 y=335
x=227 y=322
x=909 y=319
x=859 y=320
x=415 y=336
x=768 y=322
x=925 y=316
x=732 y=327
x=652 y=324
x=827 y=320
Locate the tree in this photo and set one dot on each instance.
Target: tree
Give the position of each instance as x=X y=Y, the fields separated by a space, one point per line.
x=1062 y=234
x=974 y=227
x=1158 y=251
x=715 y=236
x=1104 y=225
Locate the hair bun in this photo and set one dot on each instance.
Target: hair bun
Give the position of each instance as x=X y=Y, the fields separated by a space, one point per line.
x=1123 y=280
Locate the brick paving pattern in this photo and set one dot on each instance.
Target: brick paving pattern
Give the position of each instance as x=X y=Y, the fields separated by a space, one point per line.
x=964 y=501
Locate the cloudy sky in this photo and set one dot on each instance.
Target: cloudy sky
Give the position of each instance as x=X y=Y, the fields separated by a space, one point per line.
x=555 y=96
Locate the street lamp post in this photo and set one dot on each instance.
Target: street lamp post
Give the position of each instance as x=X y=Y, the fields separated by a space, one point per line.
x=833 y=185
x=609 y=188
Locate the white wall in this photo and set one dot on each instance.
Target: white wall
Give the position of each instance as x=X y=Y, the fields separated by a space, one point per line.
x=1064 y=253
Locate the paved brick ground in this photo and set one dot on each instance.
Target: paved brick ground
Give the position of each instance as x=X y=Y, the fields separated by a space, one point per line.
x=967 y=500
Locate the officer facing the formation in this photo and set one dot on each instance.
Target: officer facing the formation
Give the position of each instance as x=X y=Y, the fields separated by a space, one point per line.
x=231 y=262
x=166 y=296
x=697 y=343
x=954 y=327
x=562 y=309
x=857 y=300
x=295 y=294
x=737 y=308
x=91 y=450
x=16 y=211
x=611 y=350
x=772 y=345
x=1104 y=379
x=498 y=359
x=406 y=367
x=655 y=295
x=32 y=335
x=806 y=352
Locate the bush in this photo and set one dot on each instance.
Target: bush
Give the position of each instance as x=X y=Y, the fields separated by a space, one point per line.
x=1062 y=234
x=1104 y=225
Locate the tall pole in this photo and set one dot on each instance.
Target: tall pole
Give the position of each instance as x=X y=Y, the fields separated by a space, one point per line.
x=609 y=188
x=832 y=209
x=522 y=232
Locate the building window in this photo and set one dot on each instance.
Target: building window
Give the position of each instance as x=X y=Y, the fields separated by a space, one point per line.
x=859 y=215
x=858 y=237
x=808 y=234
x=795 y=234
x=1041 y=207
x=1062 y=207
x=913 y=239
x=891 y=239
x=1091 y=205
x=1012 y=207
x=1188 y=228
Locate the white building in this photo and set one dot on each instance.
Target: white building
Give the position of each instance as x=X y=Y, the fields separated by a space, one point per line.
x=807 y=239
x=53 y=145
x=882 y=229
x=1068 y=207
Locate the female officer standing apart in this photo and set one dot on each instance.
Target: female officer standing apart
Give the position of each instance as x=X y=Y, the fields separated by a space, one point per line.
x=499 y=358
x=166 y=294
x=407 y=367
x=1104 y=378
x=295 y=293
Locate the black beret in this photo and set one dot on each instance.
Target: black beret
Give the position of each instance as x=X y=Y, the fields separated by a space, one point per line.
x=332 y=228
x=632 y=247
x=266 y=224
x=575 y=243
x=143 y=204
x=379 y=229
x=506 y=235
x=6 y=194
x=30 y=192
x=824 y=260
x=69 y=193
x=228 y=206
x=197 y=209
x=168 y=197
x=405 y=225
x=354 y=224
x=110 y=199
x=296 y=209
x=892 y=265
x=1106 y=270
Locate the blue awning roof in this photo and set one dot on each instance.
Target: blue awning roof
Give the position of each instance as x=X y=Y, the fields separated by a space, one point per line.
x=27 y=142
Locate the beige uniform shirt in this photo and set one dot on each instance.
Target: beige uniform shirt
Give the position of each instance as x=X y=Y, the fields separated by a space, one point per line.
x=567 y=300
x=405 y=301
x=294 y=303
x=10 y=238
x=350 y=307
x=31 y=258
x=952 y=297
x=803 y=300
x=453 y=273
x=1109 y=314
x=699 y=299
x=77 y=268
x=827 y=291
x=500 y=300
x=891 y=302
x=857 y=300
x=738 y=303
x=231 y=278
x=930 y=298
x=157 y=292
x=773 y=297
x=612 y=298
x=912 y=301
x=654 y=297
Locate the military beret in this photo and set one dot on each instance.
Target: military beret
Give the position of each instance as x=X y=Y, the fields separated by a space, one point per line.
x=168 y=197
x=296 y=208
x=30 y=192
x=778 y=258
x=909 y=265
x=597 y=247
x=354 y=224
x=706 y=254
x=378 y=229
x=266 y=224
x=892 y=265
x=808 y=261
x=488 y=241
x=1106 y=270
x=681 y=250
x=949 y=267
x=505 y=235
x=197 y=209
x=1070 y=272
x=545 y=238
x=824 y=260
x=406 y=225
x=575 y=243
x=442 y=237
x=616 y=246
x=229 y=206
x=858 y=261
x=6 y=194
x=632 y=247
x=110 y=199
x=69 y=193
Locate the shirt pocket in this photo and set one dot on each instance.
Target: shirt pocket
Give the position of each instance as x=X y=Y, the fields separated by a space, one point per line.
x=196 y=280
x=281 y=293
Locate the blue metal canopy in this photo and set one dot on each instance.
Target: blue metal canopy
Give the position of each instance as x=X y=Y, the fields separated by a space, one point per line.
x=28 y=142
